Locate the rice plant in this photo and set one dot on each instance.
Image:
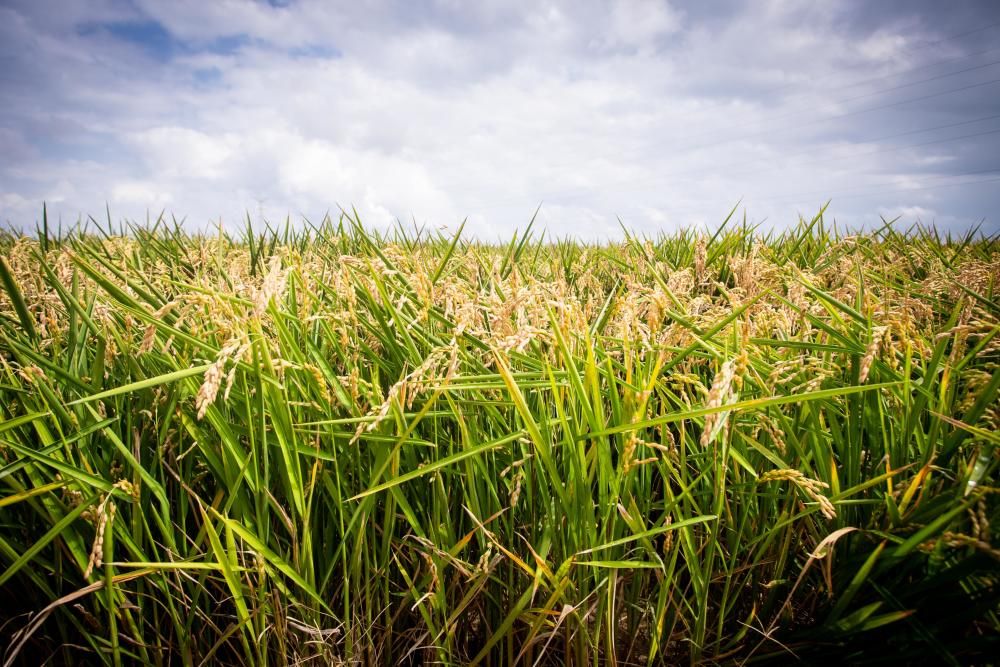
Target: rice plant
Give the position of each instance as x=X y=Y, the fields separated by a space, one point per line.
x=321 y=444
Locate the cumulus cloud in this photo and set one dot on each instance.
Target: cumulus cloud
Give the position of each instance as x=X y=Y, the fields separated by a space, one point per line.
x=661 y=113
x=140 y=193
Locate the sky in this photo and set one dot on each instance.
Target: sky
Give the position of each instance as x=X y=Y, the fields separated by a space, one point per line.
x=652 y=115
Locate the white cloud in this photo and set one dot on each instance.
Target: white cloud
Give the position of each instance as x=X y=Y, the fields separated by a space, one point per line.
x=12 y=200
x=140 y=193
x=908 y=213
x=662 y=114
x=181 y=153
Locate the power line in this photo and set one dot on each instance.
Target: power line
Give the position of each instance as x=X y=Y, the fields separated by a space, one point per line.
x=875 y=152
x=879 y=92
x=913 y=47
x=834 y=103
x=572 y=192
x=806 y=109
x=582 y=189
x=931 y=187
x=911 y=70
x=916 y=189
x=885 y=76
x=919 y=188
x=890 y=149
x=848 y=114
x=909 y=132
x=830 y=193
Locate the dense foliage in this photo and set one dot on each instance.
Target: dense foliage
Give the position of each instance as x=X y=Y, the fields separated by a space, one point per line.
x=326 y=445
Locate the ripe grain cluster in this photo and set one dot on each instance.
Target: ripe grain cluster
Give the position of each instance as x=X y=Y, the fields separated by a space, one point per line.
x=326 y=445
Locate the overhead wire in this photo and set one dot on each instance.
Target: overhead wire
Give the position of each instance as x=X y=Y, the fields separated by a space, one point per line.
x=570 y=192
x=879 y=187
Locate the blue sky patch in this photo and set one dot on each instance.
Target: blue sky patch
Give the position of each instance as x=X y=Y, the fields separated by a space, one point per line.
x=150 y=36
x=207 y=76
x=322 y=51
x=153 y=38
x=226 y=45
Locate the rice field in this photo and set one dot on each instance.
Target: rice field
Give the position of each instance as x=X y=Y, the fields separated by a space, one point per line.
x=321 y=444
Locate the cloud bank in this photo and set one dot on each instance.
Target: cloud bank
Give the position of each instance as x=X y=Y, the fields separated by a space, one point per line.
x=659 y=114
